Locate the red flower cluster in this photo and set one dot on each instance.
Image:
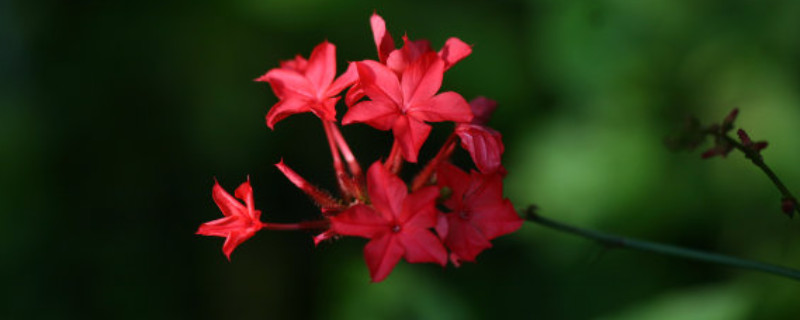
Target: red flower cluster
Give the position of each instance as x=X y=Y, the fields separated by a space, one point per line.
x=444 y=212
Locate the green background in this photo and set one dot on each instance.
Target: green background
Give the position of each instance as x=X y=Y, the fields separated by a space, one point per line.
x=116 y=116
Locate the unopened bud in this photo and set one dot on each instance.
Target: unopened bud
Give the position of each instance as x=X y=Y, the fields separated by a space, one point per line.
x=482 y=109
x=744 y=137
x=710 y=153
x=788 y=205
x=727 y=124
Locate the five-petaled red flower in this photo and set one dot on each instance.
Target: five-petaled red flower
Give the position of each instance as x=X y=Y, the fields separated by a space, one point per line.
x=403 y=104
x=308 y=85
x=397 y=223
x=240 y=222
x=453 y=51
x=478 y=213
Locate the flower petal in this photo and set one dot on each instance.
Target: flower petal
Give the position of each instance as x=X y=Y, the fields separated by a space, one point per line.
x=399 y=60
x=419 y=208
x=464 y=239
x=446 y=106
x=361 y=221
x=421 y=245
x=322 y=66
x=383 y=40
x=378 y=82
x=453 y=51
x=220 y=227
x=484 y=190
x=234 y=240
x=497 y=220
x=422 y=79
x=441 y=225
x=298 y=64
x=227 y=203
x=354 y=94
x=287 y=83
x=382 y=254
x=245 y=192
x=285 y=108
x=450 y=176
x=386 y=191
x=379 y=115
x=348 y=78
x=482 y=109
x=411 y=134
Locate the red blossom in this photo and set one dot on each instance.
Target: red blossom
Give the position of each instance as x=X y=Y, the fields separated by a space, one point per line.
x=478 y=212
x=397 y=223
x=240 y=222
x=404 y=104
x=484 y=144
x=308 y=86
x=453 y=51
x=402 y=87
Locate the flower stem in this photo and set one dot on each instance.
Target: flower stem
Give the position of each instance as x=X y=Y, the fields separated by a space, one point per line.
x=352 y=163
x=357 y=174
x=622 y=242
x=444 y=153
x=344 y=181
x=395 y=160
x=757 y=160
x=305 y=225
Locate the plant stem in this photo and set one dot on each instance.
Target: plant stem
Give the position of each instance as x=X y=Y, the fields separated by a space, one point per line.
x=622 y=242
x=342 y=178
x=757 y=160
x=444 y=153
x=305 y=225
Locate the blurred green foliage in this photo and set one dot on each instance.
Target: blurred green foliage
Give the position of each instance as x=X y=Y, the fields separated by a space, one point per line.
x=116 y=115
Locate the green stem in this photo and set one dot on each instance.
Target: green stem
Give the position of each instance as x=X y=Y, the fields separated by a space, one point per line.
x=621 y=242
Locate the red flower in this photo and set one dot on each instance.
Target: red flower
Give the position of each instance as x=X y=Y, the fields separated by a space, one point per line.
x=403 y=104
x=484 y=144
x=453 y=51
x=304 y=86
x=240 y=222
x=478 y=212
x=397 y=224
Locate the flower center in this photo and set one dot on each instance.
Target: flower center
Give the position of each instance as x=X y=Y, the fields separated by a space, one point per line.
x=464 y=215
x=396 y=228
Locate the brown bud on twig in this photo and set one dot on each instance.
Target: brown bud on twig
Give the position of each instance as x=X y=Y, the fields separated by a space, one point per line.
x=788 y=205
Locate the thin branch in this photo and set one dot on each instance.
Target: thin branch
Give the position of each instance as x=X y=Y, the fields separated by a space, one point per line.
x=622 y=242
x=758 y=160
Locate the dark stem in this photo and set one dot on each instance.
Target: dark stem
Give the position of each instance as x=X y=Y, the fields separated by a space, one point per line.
x=305 y=225
x=756 y=158
x=622 y=242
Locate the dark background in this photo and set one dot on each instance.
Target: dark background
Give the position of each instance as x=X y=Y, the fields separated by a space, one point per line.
x=116 y=116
